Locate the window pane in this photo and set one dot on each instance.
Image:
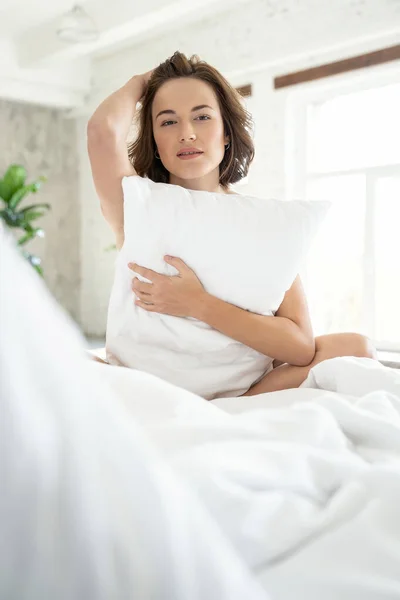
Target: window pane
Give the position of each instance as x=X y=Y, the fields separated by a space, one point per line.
x=354 y=131
x=334 y=273
x=387 y=259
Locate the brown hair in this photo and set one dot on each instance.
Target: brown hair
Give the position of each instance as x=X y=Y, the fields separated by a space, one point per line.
x=238 y=123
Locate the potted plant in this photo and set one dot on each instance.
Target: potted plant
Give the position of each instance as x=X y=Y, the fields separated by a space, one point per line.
x=13 y=190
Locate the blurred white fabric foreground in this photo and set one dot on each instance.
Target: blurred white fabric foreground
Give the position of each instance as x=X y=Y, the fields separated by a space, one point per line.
x=88 y=510
x=119 y=485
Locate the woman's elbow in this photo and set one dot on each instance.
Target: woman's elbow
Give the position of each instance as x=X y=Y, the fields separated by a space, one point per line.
x=100 y=129
x=94 y=127
x=306 y=353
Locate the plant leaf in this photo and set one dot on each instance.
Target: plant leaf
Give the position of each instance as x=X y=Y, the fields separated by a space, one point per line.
x=109 y=248
x=20 y=193
x=31 y=232
x=39 y=269
x=9 y=217
x=13 y=180
x=23 y=217
x=30 y=215
x=28 y=208
x=35 y=261
x=3 y=191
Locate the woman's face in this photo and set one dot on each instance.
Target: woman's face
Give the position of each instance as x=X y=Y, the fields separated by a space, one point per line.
x=186 y=114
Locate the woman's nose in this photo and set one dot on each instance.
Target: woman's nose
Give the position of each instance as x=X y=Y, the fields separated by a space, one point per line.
x=187 y=133
x=189 y=138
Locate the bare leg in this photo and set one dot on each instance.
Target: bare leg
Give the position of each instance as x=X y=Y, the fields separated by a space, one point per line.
x=287 y=376
x=97 y=358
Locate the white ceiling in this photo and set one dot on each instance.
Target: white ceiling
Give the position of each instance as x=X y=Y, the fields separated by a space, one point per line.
x=16 y=16
x=32 y=24
x=35 y=66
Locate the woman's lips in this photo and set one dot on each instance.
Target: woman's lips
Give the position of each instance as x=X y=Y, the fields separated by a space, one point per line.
x=189 y=156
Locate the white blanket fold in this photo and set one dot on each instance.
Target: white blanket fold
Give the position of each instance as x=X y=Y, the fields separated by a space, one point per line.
x=281 y=481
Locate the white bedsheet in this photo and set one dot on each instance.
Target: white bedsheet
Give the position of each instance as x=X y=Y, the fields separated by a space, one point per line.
x=305 y=483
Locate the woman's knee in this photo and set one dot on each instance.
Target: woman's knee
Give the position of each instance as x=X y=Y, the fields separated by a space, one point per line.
x=358 y=345
x=345 y=344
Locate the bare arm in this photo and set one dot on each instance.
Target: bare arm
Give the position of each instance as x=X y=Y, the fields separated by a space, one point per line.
x=287 y=336
x=107 y=133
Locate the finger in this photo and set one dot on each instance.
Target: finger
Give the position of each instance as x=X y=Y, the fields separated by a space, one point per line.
x=142 y=296
x=141 y=286
x=147 y=273
x=176 y=262
x=145 y=306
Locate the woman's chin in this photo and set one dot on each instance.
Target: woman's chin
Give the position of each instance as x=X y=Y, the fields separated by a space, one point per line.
x=190 y=171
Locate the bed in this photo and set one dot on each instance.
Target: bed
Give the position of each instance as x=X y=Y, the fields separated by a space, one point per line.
x=116 y=484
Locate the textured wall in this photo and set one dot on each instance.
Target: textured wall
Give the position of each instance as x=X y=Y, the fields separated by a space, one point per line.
x=46 y=144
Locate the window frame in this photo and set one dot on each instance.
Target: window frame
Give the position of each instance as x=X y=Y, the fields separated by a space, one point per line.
x=297 y=175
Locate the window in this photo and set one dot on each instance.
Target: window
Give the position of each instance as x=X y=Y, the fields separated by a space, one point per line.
x=354 y=131
x=352 y=158
x=387 y=259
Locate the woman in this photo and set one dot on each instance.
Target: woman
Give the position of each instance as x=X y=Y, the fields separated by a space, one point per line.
x=194 y=132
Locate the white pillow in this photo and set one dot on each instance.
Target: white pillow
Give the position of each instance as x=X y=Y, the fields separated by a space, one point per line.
x=245 y=250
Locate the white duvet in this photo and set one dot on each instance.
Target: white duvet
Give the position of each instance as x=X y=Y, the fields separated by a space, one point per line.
x=117 y=485
x=305 y=482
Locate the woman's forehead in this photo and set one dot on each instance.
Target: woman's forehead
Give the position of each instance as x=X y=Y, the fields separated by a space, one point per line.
x=183 y=94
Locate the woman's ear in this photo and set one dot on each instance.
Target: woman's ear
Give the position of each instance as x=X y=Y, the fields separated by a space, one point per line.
x=227 y=137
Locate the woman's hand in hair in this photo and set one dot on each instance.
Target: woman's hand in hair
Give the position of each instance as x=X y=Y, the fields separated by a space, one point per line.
x=179 y=295
x=145 y=77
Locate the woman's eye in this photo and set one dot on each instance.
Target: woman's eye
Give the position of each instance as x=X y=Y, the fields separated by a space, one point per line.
x=201 y=117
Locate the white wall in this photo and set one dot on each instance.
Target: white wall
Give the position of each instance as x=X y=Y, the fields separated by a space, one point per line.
x=96 y=263
x=246 y=51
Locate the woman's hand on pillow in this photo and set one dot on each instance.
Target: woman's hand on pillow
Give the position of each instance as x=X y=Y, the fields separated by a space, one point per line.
x=177 y=295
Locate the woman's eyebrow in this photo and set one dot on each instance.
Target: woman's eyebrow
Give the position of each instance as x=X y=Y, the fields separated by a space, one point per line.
x=169 y=111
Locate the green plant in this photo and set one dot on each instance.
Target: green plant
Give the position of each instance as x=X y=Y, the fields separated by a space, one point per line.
x=13 y=189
